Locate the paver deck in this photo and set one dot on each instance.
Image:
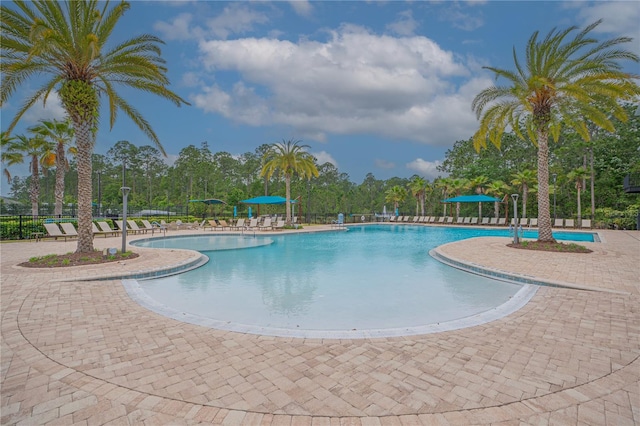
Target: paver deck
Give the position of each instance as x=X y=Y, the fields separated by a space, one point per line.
x=82 y=352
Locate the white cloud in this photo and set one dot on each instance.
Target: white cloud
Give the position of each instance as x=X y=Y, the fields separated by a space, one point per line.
x=302 y=7
x=355 y=82
x=324 y=157
x=180 y=28
x=619 y=17
x=51 y=110
x=424 y=168
x=191 y=79
x=461 y=20
x=405 y=25
x=235 y=19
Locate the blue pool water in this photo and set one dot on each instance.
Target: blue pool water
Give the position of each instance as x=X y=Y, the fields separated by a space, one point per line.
x=367 y=278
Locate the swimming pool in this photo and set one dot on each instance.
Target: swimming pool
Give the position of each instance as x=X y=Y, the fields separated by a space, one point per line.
x=376 y=280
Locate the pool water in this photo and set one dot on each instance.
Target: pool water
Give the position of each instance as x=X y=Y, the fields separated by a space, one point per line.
x=367 y=278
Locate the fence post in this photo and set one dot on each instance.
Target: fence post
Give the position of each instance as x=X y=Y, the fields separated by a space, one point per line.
x=20 y=226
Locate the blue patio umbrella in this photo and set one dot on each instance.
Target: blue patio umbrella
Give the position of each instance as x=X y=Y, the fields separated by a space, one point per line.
x=265 y=199
x=478 y=198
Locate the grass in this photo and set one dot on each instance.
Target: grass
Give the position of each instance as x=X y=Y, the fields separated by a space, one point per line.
x=76 y=259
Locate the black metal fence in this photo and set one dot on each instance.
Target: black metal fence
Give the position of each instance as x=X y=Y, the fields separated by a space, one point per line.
x=20 y=227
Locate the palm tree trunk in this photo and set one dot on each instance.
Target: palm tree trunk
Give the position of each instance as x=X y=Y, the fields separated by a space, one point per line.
x=593 y=193
x=579 y=208
x=34 y=190
x=422 y=204
x=287 y=183
x=59 y=189
x=457 y=210
x=84 y=142
x=496 y=209
x=525 y=193
x=544 y=216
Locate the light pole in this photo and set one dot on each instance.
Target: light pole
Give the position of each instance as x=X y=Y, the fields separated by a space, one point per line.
x=514 y=197
x=125 y=193
x=555 y=176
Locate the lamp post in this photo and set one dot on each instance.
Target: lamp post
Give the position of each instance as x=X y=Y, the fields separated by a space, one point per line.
x=125 y=193
x=555 y=176
x=514 y=197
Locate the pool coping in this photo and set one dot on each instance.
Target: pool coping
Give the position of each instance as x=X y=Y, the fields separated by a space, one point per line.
x=503 y=275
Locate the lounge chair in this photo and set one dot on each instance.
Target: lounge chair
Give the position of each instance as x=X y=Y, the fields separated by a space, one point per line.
x=449 y=219
x=253 y=224
x=502 y=221
x=415 y=219
x=441 y=219
x=474 y=221
x=493 y=221
x=239 y=224
x=223 y=224
x=533 y=222
x=558 y=223
x=524 y=221
x=392 y=219
x=68 y=229
x=406 y=219
x=569 y=223
x=279 y=226
x=53 y=231
x=586 y=223
x=97 y=231
x=121 y=226
x=266 y=225
x=467 y=220
x=460 y=220
x=147 y=225
x=104 y=226
x=485 y=221
x=133 y=225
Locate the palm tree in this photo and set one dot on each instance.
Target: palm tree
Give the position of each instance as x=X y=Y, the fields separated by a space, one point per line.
x=525 y=180
x=578 y=176
x=67 y=41
x=396 y=194
x=444 y=184
x=60 y=133
x=478 y=184
x=38 y=151
x=417 y=187
x=289 y=157
x=563 y=82
x=457 y=186
x=5 y=140
x=498 y=189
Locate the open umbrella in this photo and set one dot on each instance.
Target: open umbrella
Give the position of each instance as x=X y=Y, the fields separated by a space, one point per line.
x=208 y=201
x=266 y=199
x=479 y=198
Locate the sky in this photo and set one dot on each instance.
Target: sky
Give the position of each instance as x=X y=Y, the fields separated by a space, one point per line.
x=372 y=87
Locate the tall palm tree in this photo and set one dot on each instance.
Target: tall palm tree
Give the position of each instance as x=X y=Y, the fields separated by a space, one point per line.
x=526 y=180
x=563 y=81
x=38 y=152
x=478 y=184
x=67 y=43
x=498 y=189
x=417 y=187
x=578 y=176
x=60 y=133
x=289 y=158
x=444 y=184
x=396 y=194
x=457 y=186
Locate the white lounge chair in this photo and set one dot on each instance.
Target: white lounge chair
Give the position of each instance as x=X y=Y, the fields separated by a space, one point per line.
x=586 y=223
x=133 y=225
x=106 y=228
x=266 y=225
x=68 y=229
x=558 y=223
x=53 y=231
x=569 y=223
x=533 y=222
x=485 y=221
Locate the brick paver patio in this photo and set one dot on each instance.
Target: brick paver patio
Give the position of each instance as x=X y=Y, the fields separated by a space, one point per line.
x=82 y=352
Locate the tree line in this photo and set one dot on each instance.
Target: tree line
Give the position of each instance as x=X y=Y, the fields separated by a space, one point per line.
x=199 y=173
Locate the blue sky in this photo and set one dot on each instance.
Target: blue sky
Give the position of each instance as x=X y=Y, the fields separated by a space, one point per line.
x=380 y=87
